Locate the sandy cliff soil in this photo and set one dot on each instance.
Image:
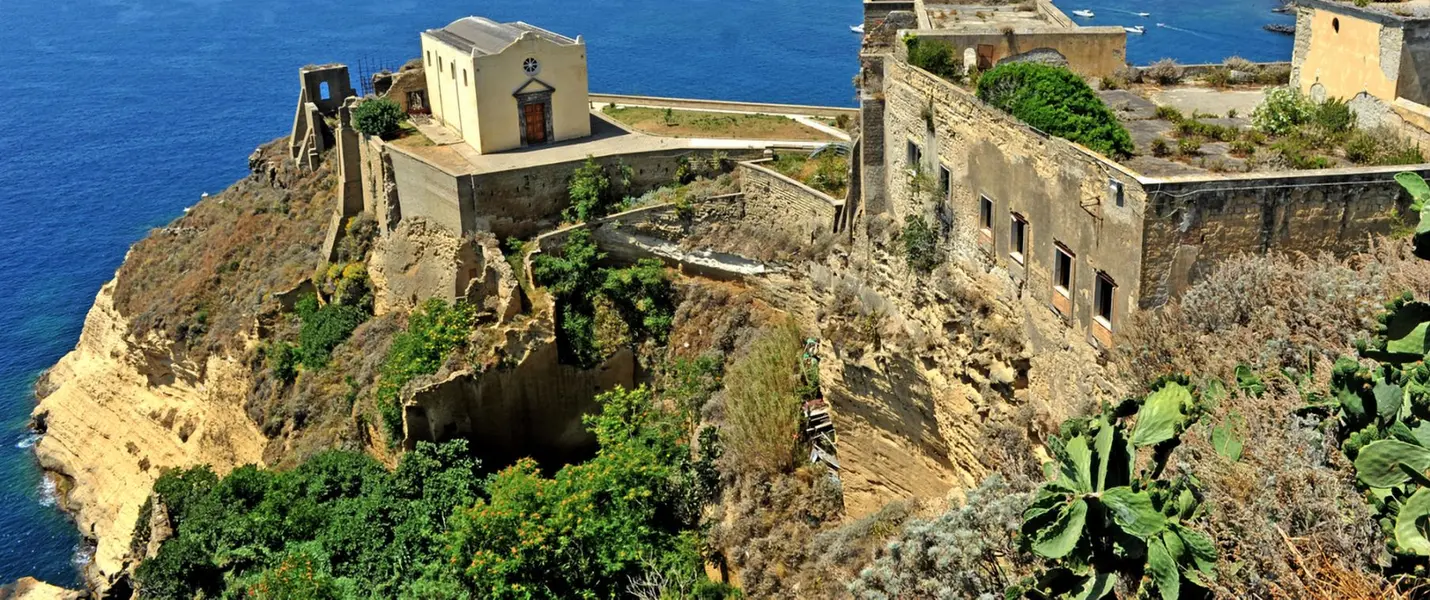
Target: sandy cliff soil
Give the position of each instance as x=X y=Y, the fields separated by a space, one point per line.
x=110 y=430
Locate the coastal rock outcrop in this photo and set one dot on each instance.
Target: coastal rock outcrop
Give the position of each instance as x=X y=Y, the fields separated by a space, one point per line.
x=110 y=431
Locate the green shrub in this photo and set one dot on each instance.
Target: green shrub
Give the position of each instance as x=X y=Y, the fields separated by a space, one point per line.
x=381 y=117
x=592 y=528
x=1057 y=101
x=338 y=523
x=1242 y=148
x=920 y=243
x=1362 y=148
x=434 y=331
x=1219 y=78
x=1169 y=113
x=1189 y=146
x=1160 y=147
x=589 y=190
x=641 y=295
x=323 y=328
x=1297 y=153
x=1165 y=72
x=1282 y=111
x=935 y=56
x=282 y=360
x=1333 y=116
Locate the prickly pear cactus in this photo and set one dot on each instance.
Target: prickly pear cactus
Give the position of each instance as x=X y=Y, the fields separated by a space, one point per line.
x=1097 y=520
x=1419 y=204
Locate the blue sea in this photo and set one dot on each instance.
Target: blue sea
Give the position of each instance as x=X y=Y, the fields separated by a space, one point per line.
x=122 y=112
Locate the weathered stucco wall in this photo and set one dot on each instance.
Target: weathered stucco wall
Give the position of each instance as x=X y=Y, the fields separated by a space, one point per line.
x=1194 y=224
x=426 y=191
x=1343 y=53
x=786 y=205
x=531 y=409
x=1090 y=51
x=1062 y=191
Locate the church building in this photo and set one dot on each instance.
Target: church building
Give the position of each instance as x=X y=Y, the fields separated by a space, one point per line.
x=503 y=86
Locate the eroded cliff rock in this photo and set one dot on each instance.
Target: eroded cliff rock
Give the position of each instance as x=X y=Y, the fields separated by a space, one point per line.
x=109 y=431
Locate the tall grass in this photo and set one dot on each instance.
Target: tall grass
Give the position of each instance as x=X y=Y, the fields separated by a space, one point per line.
x=763 y=400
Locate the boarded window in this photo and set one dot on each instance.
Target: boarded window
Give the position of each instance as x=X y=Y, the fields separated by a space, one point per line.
x=1103 y=299
x=1062 y=269
x=1018 y=238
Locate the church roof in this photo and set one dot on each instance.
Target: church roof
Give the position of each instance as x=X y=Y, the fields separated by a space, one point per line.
x=480 y=35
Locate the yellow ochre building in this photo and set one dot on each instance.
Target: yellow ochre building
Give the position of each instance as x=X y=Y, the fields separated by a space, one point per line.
x=503 y=86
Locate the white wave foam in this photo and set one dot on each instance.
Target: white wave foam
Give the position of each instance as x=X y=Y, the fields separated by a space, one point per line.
x=83 y=553
x=28 y=441
x=49 y=494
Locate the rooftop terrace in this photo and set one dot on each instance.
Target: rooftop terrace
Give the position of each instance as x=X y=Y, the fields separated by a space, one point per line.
x=970 y=14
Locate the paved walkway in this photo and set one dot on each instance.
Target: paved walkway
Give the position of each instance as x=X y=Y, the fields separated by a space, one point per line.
x=451 y=154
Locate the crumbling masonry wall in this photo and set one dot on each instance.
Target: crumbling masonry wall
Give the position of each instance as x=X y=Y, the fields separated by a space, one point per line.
x=1193 y=224
x=786 y=205
x=1061 y=190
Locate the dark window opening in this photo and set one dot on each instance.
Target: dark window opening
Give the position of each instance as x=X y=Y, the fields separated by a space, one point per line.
x=464 y=77
x=429 y=58
x=985 y=213
x=1103 y=298
x=915 y=156
x=945 y=181
x=1117 y=189
x=1018 y=238
x=1336 y=25
x=1063 y=270
x=453 y=69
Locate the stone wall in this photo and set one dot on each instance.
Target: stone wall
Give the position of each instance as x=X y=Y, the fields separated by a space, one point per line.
x=659 y=232
x=533 y=408
x=786 y=205
x=520 y=202
x=1090 y=51
x=1061 y=190
x=1192 y=224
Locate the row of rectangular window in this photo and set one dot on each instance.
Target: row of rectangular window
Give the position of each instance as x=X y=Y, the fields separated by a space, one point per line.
x=1063 y=263
x=1018 y=231
x=465 y=82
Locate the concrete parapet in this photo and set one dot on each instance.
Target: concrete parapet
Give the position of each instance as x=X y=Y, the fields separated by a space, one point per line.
x=696 y=104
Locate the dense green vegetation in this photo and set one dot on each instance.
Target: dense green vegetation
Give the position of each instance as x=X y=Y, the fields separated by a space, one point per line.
x=594 y=193
x=920 y=244
x=340 y=526
x=381 y=117
x=935 y=56
x=603 y=308
x=1057 y=101
x=434 y=331
x=322 y=326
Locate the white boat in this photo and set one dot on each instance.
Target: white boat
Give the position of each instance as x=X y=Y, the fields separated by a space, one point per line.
x=1137 y=29
x=857 y=28
x=1083 y=13
x=1144 y=14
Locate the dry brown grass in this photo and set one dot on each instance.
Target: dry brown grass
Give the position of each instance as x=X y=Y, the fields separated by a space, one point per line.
x=690 y=123
x=1288 y=517
x=1270 y=312
x=762 y=403
x=198 y=280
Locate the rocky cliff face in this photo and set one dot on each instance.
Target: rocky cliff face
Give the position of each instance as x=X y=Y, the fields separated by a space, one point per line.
x=109 y=431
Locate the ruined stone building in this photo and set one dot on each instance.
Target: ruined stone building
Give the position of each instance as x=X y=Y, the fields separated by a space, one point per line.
x=506 y=85
x=1093 y=237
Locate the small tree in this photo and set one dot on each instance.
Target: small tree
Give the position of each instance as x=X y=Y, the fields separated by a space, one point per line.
x=381 y=117
x=920 y=244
